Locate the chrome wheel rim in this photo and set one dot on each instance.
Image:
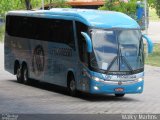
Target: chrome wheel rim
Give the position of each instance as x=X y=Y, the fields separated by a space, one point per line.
x=25 y=75
x=18 y=73
x=72 y=85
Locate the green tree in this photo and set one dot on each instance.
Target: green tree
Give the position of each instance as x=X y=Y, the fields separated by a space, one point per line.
x=155 y=4
x=7 y=5
x=120 y=6
x=2 y=28
x=28 y=4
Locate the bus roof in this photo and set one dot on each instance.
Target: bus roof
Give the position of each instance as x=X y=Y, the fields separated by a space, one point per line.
x=92 y=18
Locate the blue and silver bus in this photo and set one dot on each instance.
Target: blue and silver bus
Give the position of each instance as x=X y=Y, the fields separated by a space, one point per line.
x=98 y=52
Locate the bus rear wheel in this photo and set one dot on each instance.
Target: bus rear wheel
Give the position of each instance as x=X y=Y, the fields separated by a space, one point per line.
x=19 y=75
x=25 y=75
x=119 y=95
x=72 y=86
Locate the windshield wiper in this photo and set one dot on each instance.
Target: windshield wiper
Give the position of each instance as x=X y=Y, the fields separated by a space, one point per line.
x=121 y=58
x=124 y=60
x=113 y=61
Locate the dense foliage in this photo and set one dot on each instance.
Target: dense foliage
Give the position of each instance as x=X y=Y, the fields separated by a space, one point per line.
x=1 y=32
x=130 y=7
x=155 y=4
x=121 y=6
x=7 y=5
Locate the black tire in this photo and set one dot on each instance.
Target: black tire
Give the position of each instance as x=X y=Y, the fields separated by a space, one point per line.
x=25 y=78
x=72 y=86
x=119 y=95
x=19 y=74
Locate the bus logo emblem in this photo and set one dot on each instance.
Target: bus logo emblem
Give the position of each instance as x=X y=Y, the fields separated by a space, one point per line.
x=119 y=82
x=38 y=60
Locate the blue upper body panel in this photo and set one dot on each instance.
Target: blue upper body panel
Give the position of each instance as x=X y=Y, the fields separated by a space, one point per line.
x=92 y=18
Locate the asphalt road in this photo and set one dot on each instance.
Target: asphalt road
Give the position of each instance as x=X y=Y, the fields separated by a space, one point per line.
x=48 y=99
x=154 y=31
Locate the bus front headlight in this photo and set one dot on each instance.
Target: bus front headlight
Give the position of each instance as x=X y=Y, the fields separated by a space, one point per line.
x=140 y=79
x=97 y=79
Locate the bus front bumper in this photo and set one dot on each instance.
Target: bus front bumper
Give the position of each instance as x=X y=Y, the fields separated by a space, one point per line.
x=105 y=88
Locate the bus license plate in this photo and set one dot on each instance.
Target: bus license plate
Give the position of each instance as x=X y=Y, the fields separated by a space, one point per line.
x=119 y=89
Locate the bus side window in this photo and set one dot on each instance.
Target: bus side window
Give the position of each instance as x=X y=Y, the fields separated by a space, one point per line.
x=20 y=26
x=13 y=25
x=68 y=33
x=51 y=30
x=61 y=31
x=8 y=24
x=83 y=54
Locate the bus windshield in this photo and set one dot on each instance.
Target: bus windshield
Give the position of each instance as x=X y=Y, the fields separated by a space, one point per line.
x=117 y=50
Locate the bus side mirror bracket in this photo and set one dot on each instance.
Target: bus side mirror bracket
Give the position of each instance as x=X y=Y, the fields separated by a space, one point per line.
x=88 y=41
x=149 y=42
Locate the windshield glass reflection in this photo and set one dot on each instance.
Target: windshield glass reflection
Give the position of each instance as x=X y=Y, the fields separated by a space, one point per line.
x=117 y=50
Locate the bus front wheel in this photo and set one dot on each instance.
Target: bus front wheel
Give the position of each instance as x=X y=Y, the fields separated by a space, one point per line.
x=119 y=95
x=72 y=86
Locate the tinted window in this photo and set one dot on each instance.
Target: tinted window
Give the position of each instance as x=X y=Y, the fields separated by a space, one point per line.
x=54 y=30
x=80 y=27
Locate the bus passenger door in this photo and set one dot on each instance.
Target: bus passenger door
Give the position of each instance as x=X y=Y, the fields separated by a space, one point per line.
x=82 y=79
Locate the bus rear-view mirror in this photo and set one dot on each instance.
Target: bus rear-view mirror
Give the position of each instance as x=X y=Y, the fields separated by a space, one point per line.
x=149 y=43
x=88 y=41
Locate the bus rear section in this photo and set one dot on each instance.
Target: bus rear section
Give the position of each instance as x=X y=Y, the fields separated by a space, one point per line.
x=40 y=48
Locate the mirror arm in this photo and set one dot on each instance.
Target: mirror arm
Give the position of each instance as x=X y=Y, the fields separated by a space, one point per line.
x=88 y=41
x=149 y=42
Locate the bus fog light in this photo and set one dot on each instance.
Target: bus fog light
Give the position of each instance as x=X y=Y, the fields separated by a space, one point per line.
x=139 y=88
x=96 y=88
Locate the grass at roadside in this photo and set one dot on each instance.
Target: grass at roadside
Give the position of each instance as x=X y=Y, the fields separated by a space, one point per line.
x=154 y=58
x=1 y=32
x=152 y=15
